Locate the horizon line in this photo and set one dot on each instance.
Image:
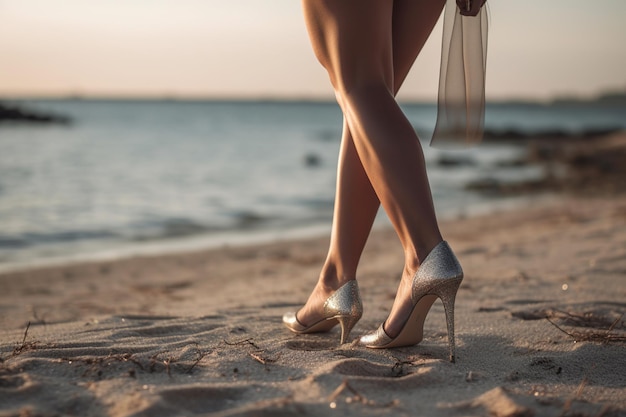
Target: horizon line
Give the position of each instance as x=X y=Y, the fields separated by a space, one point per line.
x=165 y=97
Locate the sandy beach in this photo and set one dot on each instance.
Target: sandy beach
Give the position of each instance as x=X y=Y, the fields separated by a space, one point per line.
x=540 y=326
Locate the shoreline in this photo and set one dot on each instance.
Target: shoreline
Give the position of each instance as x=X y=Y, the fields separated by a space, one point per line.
x=109 y=223
x=539 y=330
x=236 y=238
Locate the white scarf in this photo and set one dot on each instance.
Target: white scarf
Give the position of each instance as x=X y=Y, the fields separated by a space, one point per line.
x=461 y=101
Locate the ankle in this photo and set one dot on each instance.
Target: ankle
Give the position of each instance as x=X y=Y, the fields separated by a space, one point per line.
x=414 y=256
x=332 y=278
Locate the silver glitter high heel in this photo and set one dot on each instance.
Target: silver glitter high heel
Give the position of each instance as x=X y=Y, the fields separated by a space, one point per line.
x=439 y=276
x=343 y=307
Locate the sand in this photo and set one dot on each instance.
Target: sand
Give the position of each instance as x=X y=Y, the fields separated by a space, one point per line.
x=540 y=328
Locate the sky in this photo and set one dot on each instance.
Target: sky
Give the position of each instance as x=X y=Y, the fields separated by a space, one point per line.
x=538 y=49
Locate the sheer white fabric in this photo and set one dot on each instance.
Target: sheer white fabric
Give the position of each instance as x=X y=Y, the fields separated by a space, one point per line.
x=461 y=101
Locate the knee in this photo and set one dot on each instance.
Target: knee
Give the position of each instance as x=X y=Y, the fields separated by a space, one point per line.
x=353 y=90
x=361 y=81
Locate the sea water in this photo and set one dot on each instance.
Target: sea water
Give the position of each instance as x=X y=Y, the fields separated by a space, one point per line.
x=131 y=176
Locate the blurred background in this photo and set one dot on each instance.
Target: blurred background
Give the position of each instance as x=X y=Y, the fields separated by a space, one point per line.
x=136 y=126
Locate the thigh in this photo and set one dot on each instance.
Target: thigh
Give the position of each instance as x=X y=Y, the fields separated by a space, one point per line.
x=358 y=40
x=352 y=39
x=413 y=22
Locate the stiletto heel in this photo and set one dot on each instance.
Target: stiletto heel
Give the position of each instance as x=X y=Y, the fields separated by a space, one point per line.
x=439 y=276
x=344 y=307
x=347 y=323
x=447 y=296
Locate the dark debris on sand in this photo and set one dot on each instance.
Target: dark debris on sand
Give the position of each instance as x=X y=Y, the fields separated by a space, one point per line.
x=589 y=164
x=598 y=327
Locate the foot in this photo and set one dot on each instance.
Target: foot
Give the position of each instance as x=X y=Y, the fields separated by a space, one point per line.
x=313 y=311
x=402 y=306
x=403 y=303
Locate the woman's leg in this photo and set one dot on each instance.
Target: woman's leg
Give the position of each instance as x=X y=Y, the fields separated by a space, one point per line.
x=356 y=202
x=356 y=205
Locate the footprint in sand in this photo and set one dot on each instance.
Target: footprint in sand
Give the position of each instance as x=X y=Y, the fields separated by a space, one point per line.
x=198 y=400
x=209 y=399
x=163 y=327
x=310 y=345
x=11 y=381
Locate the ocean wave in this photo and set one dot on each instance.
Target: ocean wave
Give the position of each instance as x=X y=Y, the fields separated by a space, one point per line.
x=29 y=239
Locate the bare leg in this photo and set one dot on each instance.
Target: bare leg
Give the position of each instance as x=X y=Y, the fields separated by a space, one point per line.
x=356 y=205
x=356 y=201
